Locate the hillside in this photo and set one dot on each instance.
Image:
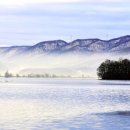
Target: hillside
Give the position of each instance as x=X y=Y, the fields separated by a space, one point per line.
x=81 y=46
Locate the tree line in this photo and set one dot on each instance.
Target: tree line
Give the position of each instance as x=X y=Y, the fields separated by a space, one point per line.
x=46 y=75
x=8 y=74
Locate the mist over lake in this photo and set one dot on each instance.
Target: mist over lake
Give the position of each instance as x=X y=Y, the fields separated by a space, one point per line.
x=77 y=58
x=63 y=65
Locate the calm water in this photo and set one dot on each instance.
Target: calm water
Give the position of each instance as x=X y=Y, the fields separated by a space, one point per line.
x=64 y=104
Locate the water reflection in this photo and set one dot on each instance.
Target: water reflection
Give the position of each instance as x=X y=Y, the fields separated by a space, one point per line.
x=59 y=106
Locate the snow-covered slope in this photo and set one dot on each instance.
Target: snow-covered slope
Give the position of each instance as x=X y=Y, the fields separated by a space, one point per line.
x=85 y=46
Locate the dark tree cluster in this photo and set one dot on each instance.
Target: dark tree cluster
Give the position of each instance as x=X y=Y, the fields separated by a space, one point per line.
x=7 y=74
x=114 y=70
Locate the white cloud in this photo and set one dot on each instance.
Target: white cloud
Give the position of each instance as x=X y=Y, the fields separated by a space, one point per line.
x=15 y=3
x=23 y=2
x=110 y=1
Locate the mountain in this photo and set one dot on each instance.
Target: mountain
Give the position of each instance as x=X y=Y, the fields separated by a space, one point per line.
x=76 y=58
x=116 y=45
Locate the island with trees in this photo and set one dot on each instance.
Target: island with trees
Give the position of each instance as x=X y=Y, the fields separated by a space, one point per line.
x=114 y=70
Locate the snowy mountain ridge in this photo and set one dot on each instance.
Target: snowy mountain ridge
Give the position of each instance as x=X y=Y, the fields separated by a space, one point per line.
x=116 y=45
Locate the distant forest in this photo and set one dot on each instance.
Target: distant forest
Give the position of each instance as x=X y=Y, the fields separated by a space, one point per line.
x=7 y=74
x=46 y=75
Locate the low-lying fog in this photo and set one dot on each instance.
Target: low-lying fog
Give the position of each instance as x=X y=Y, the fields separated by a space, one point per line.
x=75 y=65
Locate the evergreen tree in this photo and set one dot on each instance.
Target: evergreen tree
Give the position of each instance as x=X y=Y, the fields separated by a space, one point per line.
x=7 y=74
x=114 y=69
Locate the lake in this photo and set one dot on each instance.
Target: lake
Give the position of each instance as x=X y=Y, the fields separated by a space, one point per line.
x=64 y=104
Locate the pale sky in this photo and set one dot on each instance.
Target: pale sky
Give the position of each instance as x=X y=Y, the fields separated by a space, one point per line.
x=27 y=22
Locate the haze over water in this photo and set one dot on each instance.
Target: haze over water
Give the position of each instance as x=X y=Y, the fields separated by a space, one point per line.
x=64 y=104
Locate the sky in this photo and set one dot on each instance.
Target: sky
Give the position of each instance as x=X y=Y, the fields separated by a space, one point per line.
x=27 y=22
